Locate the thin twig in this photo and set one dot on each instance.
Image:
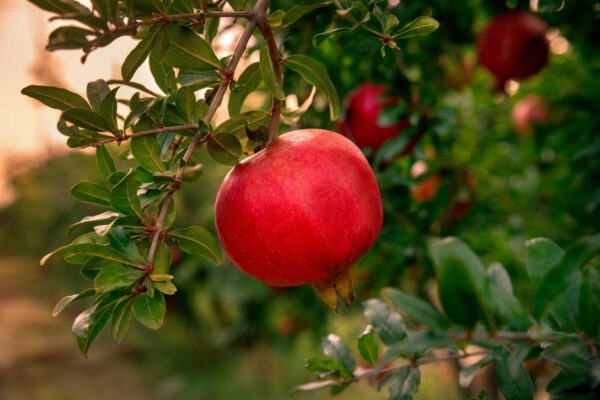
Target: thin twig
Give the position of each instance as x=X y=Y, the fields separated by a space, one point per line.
x=156 y=131
x=258 y=13
x=267 y=33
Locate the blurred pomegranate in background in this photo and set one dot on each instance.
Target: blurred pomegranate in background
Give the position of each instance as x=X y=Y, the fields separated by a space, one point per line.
x=527 y=112
x=513 y=46
x=361 y=124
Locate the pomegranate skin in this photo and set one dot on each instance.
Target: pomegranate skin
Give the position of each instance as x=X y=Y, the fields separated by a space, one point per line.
x=361 y=119
x=513 y=46
x=302 y=210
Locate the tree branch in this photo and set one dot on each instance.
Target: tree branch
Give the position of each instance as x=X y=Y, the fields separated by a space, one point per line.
x=267 y=33
x=259 y=13
x=156 y=131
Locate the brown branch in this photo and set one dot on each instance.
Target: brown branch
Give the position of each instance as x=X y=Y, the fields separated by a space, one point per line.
x=267 y=33
x=131 y=28
x=259 y=13
x=156 y=131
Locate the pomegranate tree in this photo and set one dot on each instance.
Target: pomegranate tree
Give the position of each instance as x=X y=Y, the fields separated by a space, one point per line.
x=301 y=211
x=513 y=46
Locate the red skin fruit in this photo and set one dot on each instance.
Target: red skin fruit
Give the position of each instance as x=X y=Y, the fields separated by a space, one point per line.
x=361 y=119
x=513 y=46
x=527 y=112
x=302 y=210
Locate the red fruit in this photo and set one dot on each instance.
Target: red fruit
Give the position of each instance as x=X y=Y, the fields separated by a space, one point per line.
x=426 y=189
x=301 y=211
x=513 y=46
x=361 y=119
x=528 y=111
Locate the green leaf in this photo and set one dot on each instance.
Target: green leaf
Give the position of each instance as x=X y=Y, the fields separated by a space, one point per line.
x=88 y=249
x=268 y=75
x=93 y=219
x=548 y=5
x=61 y=6
x=53 y=97
x=108 y=109
x=542 y=256
x=115 y=276
x=189 y=51
x=146 y=152
x=198 y=240
x=275 y=18
x=150 y=311
x=162 y=259
x=502 y=298
x=461 y=276
x=165 y=287
x=512 y=4
x=246 y=84
x=589 y=302
x=237 y=125
x=367 y=346
x=123 y=197
x=315 y=73
x=163 y=75
x=108 y=9
x=324 y=366
x=88 y=325
x=105 y=163
x=418 y=342
x=198 y=79
x=387 y=323
x=336 y=349
x=321 y=37
x=420 y=26
x=467 y=373
x=90 y=192
x=297 y=12
x=65 y=301
x=122 y=242
x=121 y=318
x=224 y=148
x=513 y=380
x=404 y=383
x=87 y=119
x=186 y=102
x=139 y=54
x=414 y=308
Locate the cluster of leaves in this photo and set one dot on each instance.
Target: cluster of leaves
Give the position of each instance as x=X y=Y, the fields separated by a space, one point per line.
x=125 y=248
x=562 y=327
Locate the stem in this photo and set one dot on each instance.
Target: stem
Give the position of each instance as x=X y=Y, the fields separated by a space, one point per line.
x=131 y=28
x=421 y=362
x=155 y=131
x=259 y=13
x=267 y=33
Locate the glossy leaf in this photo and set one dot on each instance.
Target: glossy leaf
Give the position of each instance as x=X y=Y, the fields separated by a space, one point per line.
x=513 y=380
x=315 y=73
x=198 y=240
x=89 y=249
x=336 y=349
x=121 y=241
x=186 y=102
x=542 y=256
x=88 y=325
x=123 y=197
x=115 y=276
x=150 y=311
x=53 y=97
x=420 y=26
x=268 y=74
x=414 y=308
x=121 y=318
x=139 y=54
x=225 y=148
x=146 y=152
x=404 y=383
x=246 y=84
x=368 y=348
x=90 y=192
x=188 y=51
x=65 y=301
x=104 y=162
x=297 y=12
x=321 y=37
x=87 y=119
x=388 y=324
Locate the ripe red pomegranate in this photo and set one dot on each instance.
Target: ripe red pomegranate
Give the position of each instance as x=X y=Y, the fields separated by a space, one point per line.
x=513 y=46
x=527 y=112
x=301 y=211
x=361 y=124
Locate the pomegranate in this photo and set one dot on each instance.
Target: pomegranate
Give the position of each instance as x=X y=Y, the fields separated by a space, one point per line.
x=513 y=46
x=426 y=188
x=301 y=211
x=361 y=124
x=528 y=111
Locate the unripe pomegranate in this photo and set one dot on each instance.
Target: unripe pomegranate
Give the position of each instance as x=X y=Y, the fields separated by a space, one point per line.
x=301 y=211
x=513 y=46
x=528 y=111
x=361 y=124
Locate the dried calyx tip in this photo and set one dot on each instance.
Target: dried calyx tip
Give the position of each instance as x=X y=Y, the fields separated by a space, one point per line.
x=338 y=285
